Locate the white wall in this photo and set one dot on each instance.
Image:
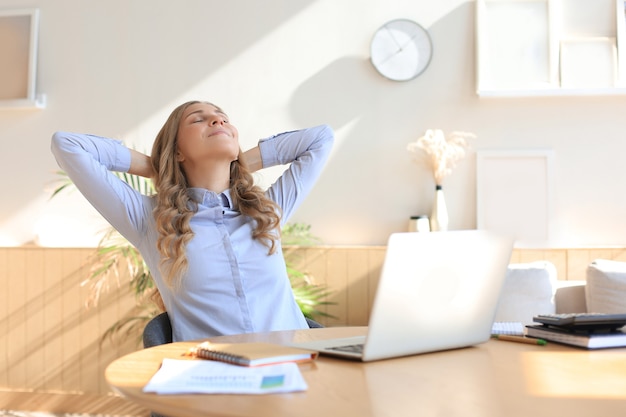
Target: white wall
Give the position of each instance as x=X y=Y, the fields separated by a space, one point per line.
x=118 y=67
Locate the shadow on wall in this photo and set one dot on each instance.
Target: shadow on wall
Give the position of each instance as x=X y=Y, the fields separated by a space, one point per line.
x=203 y=27
x=349 y=94
x=51 y=341
x=132 y=44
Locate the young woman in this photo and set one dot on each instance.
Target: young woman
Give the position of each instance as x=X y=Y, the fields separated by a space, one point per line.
x=210 y=236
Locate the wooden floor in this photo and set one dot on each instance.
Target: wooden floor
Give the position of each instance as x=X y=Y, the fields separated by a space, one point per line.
x=69 y=403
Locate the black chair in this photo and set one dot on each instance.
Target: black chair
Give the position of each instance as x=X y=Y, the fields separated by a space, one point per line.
x=313 y=324
x=158 y=331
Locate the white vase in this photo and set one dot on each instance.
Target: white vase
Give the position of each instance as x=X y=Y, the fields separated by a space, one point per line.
x=439 y=215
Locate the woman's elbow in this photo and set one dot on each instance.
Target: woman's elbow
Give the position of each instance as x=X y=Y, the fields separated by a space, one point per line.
x=58 y=138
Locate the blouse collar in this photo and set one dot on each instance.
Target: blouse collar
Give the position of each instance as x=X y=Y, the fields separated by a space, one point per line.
x=211 y=198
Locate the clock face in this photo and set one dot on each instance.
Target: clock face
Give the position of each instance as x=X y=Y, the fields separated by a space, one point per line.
x=401 y=50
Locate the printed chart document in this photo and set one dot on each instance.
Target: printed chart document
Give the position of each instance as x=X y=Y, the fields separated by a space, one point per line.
x=179 y=376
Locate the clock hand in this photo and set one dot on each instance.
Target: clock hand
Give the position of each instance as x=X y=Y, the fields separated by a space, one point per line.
x=389 y=57
x=409 y=41
x=400 y=47
x=393 y=38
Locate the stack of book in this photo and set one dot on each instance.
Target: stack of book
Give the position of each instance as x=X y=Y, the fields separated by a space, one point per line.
x=586 y=330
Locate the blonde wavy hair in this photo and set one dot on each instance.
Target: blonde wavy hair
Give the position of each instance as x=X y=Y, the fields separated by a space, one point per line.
x=175 y=208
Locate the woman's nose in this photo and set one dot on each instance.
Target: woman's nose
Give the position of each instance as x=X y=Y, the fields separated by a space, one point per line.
x=217 y=120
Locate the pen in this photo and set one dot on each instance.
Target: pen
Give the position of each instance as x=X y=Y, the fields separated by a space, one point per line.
x=520 y=339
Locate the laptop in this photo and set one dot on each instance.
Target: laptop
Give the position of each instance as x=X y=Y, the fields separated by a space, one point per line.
x=437 y=291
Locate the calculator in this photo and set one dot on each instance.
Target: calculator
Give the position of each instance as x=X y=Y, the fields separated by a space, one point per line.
x=583 y=321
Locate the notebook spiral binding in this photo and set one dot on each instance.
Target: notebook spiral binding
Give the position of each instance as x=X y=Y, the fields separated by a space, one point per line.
x=206 y=353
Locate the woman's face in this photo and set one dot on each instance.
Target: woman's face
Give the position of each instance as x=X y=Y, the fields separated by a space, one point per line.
x=204 y=134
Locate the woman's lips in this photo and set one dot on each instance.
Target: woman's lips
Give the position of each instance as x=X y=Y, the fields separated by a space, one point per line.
x=219 y=132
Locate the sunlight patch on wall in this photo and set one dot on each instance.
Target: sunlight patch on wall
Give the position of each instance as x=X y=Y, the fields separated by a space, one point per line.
x=69 y=221
x=17 y=230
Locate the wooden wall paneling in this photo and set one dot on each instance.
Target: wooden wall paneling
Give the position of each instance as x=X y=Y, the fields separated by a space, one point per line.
x=580 y=258
x=601 y=253
x=116 y=304
x=16 y=340
x=71 y=308
x=315 y=266
x=577 y=262
x=90 y=332
x=89 y=354
x=53 y=273
x=312 y=262
x=337 y=281
x=51 y=342
x=376 y=258
x=4 y=320
x=596 y=253
x=33 y=350
x=619 y=254
x=530 y=255
x=558 y=257
x=357 y=287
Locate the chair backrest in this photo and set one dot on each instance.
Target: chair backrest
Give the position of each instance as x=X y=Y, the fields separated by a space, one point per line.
x=158 y=331
x=313 y=324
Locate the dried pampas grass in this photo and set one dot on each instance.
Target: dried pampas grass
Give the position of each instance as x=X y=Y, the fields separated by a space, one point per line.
x=442 y=153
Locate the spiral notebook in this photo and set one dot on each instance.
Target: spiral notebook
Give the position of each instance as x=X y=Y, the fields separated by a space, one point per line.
x=251 y=354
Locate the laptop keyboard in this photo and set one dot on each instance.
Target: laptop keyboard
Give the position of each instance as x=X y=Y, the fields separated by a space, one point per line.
x=358 y=348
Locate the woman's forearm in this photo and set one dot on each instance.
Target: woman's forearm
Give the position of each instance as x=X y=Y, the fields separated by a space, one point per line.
x=140 y=164
x=253 y=159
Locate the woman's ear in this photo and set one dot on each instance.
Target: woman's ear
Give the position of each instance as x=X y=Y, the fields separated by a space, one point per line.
x=179 y=157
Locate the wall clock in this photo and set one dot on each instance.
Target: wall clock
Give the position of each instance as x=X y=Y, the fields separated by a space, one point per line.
x=401 y=50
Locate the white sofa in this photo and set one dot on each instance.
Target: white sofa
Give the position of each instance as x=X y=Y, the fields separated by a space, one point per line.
x=533 y=288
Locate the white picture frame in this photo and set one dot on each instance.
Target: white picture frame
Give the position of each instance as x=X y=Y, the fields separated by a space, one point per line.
x=514 y=192
x=588 y=63
x=19 y=33
x=514 y=49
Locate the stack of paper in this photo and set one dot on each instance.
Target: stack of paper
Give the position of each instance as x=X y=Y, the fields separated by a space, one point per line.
x=177 y=376
x=508 y=328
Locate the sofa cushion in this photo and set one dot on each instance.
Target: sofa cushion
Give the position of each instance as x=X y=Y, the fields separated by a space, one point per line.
x=570 y=297
x=528 y=290
x=606 y=287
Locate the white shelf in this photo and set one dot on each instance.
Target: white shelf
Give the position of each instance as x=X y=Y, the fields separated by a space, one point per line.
x=554 y=92
x=534 y=48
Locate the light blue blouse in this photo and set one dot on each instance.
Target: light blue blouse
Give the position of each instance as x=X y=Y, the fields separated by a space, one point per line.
x=232 y=285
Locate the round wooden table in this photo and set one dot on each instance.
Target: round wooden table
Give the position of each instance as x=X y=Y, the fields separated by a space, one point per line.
x=493 y=379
